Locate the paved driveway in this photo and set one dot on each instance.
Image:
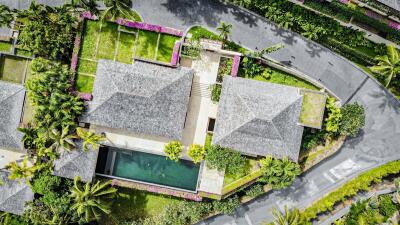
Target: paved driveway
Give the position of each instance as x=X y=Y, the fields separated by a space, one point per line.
x=379 y=141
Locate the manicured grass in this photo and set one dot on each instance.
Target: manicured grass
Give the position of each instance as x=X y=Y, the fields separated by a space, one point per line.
x=84 y=83
x=135 y=204
x=86 y=66
x=312 y=110
x=92 y=29
x=208 y=140
x=23 y=52
x=280 y=77
x=13 y=69
x=126 y=43
x=5 y=46
x=108 y=41
x=146 y=45
x=166 y=47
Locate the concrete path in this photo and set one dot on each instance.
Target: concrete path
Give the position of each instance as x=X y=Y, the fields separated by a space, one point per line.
x=378 y=142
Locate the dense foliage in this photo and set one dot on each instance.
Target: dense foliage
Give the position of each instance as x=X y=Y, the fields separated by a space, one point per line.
x=388 y=66
x=216 y=92
x=173 y=150
x=56 y=108
x=351 y=188
x=334 y=116
x=89 y=138
x=255 y=190
x=225 y=159
x=6 y=16
x=279 y=173
x=196 y=153
x=48 y=31
x=353 y=119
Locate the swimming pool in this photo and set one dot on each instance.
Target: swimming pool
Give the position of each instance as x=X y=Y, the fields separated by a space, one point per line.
x=149 y=168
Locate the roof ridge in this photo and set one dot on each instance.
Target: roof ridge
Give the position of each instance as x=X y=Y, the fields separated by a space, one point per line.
x=17 y=192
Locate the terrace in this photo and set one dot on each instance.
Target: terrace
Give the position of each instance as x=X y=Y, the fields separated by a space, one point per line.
x=119 y=43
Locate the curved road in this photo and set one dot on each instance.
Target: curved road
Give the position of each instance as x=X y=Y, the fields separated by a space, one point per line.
x=379 y=142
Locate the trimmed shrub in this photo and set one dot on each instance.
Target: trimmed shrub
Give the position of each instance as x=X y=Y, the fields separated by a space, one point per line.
x=227 y=206
x=353 y=119
x=173 y=150
x=197 y=153
x=255 y=190
x=334 y=116
x=225 y=159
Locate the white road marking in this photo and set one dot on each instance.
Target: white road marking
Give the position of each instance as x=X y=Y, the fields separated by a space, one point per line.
x=345 y=168
x=329 y=178
x=246 y=216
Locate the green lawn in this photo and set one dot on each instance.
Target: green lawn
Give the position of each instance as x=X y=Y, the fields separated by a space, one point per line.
x=126 y=43
x=86 y=66
x=84 y=83
x=23 y=52
x=108 y=41
x=90 y=35
x=166 y=47
x=312 y=110
x=280 y=77
x=13 y=69
x=5 y=46
x=146 y=45
x=135 y=204
x=208 y=140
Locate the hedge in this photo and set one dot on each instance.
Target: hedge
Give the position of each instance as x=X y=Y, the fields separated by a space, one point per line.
x=351 y=188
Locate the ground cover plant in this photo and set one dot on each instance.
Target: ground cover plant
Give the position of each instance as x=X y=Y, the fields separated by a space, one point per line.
x=361 y=183
x=108 y=40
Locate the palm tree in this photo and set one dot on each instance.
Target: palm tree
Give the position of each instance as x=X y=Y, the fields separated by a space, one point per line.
x=224 y=30
x=117 y=8
x=88 y=5
x=312 y=31
x=6 y=16
x=287 y=218
x=61 y=139
x=388 y=65
x=89 y=138
x=87 y=199
x=21 y=171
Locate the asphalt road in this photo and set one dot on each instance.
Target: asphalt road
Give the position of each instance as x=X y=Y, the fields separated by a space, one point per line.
x=378 y=142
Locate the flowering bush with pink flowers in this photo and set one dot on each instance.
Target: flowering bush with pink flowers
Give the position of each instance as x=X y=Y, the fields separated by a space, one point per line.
x=88 y=15
x=394 y=25
x=235 y=65
x=85 y=96
x=175 y=53
x=149 y=27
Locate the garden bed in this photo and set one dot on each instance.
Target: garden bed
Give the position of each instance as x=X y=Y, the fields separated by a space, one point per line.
x=118 y=43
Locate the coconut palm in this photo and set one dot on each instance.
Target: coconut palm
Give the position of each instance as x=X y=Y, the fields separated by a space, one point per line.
x=6 y=16
x=117 y=8
x=88 y=199
x=388 y=65
x=88 y=5
x=224 y=30
x=61 y=140
x=22 y=170
x=89 y=138
x=287 y=218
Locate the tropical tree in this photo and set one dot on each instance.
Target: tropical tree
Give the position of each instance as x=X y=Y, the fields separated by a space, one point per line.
x=388 y=66
x=224 y=30
x=197 y=153
x=312 y=31
x=334 y=116
x=353 y=119
x=173 y=150
x=90 y=139
x=117 y=8
x=22 y=170
x=62 y=140
x=289 y=217
x=279 y=173
x=88 y=5
x=6 y=16
x=48 y=31
x=88 y=199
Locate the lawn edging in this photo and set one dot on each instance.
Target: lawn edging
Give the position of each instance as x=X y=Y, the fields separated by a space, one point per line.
x=350 y=189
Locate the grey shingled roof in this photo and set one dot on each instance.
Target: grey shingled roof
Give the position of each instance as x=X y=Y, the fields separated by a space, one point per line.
x=11 y=104
x=13 y=194
x=76 y=163
x=259 y=118
x=142 y=98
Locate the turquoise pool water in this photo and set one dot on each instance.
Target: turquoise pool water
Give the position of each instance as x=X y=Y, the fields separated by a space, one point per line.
x=145 y=167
